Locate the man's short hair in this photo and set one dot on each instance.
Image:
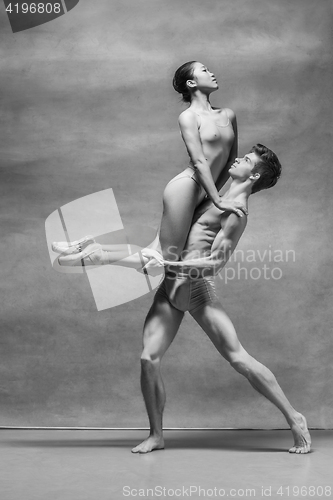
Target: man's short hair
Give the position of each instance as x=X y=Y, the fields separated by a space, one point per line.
x=268 y=167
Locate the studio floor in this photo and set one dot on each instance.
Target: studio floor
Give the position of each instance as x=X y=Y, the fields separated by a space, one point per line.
x=98 y=465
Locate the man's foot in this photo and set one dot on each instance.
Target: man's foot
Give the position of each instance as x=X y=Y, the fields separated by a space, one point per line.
x=302 y=438
x=150 y=444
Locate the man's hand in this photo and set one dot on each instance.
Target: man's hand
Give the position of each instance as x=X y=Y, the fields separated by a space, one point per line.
x=231 y=206
x=154 y=263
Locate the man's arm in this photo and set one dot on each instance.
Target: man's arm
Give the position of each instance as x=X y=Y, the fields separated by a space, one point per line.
x=223 y=246
x=135 y=261
x=129 y=255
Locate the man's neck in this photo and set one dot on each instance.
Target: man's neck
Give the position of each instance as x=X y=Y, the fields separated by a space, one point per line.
x=239 y=191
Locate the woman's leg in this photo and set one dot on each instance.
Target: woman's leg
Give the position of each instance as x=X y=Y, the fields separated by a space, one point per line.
x=180 y=198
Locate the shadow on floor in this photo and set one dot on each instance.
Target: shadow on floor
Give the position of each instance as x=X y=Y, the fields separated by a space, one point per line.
x=220 y=440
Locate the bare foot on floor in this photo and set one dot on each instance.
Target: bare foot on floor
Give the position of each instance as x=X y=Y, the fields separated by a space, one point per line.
x=302 y=439
x=150 y=444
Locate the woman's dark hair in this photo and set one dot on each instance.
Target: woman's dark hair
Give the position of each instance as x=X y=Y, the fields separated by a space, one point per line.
x=183 y=73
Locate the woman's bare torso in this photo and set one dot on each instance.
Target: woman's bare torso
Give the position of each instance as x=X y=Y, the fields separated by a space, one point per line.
x=217 y=136
x=214 y=139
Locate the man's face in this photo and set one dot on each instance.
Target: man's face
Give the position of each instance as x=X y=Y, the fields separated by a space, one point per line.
x=241 y=169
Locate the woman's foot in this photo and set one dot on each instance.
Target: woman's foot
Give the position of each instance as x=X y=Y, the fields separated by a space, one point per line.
x=302 y=438
x=92 y=255
x=71 y=247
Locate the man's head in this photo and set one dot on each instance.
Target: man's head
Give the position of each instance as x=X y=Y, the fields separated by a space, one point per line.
x=261 y=166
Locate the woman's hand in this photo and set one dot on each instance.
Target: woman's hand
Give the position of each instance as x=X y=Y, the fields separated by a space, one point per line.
x=231 y=206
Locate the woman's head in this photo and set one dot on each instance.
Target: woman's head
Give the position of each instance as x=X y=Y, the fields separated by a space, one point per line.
x=193 y=76
x=182 y=75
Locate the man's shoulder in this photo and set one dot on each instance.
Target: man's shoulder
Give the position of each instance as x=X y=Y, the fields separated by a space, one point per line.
x=232 y=224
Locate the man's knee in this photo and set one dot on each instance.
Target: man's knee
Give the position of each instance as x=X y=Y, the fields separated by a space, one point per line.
x=241 y=362
x=149 y=362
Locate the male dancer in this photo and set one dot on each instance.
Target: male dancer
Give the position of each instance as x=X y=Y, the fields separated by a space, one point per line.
x=189 y=286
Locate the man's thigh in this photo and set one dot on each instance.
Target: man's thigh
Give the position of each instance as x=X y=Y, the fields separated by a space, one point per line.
x=161 y=326
x=216 y=323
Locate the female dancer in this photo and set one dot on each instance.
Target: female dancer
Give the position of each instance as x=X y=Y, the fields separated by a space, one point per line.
x=210 y=136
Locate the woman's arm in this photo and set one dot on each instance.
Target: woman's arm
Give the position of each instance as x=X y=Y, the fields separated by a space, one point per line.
x=189 y=128
x=224 y=175
x=190 y=133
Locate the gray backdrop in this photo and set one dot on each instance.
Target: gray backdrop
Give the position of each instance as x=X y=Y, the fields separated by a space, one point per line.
x=87 y=104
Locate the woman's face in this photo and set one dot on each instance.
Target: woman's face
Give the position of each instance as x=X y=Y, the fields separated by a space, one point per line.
x=205 y=79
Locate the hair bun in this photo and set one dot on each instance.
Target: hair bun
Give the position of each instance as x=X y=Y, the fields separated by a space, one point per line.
x=182 y=74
